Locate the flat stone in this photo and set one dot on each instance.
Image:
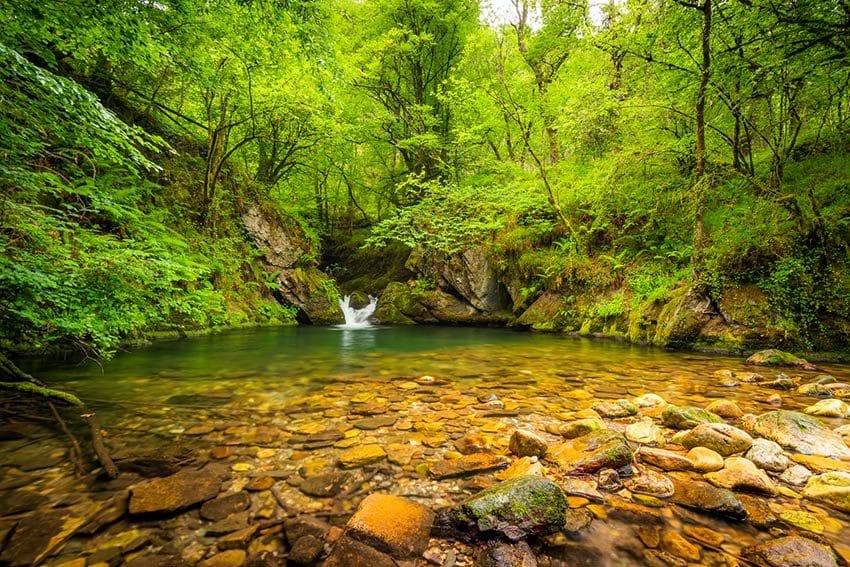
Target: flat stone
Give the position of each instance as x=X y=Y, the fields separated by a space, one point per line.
x=664 y=459
x=527 y=444
x=832 y=488
x=220 y=508
x=391 y=524
x=176 y=492
x=739 y=473
x=802 y=520
x=674 y=544
x=704 y=535
x=230 y=558
x=372 y=423
x=21 y=501
x=719 y=437
x=37 y=536
x=801 y=433
x=591 y=453
x=705 y=460
x=301 y=526
x=238 y=539
x=349 y=552
x=473 y=443
x=260 y=483
x=758 y=510
x=232 y=523
x=768 y=455
x=325 y=485
x=467 y=464
x=821 y=464
x=704 y=497
x=361 y=456
x=652 y=483
x=645 y=432
x=791 y=551
x=521 y=467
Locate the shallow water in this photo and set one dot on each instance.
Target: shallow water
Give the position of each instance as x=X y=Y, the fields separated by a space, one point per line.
x=222 y=390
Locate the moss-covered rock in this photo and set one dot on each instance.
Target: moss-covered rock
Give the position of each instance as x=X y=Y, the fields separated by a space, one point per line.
x=775 y=357
x=517 y=508
x=687 y=417
x=800 y=432
x=543 y=315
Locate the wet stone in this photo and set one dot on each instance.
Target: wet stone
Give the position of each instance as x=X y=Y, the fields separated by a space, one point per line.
x=768 y=455
x=676 y=545
x=349 y=552
x=372 y=423
x=651 y=483
x=741 y=474
x=832 y=488
x=791 y=551
x=664 y=459
x=473 y=443
x=391 y=524
x=705 y=460
x=21 y=501
x=301 y=526
x=579 y=427
x=176 y=492
x=704 y=497
x=306 y=550
x=220 y=508
x=37 y=536
x=802 y=433
x=498 y=554
x=795 y=475
x=260 y=483
x=527 y=444
x=232 y=523
x=230 y=558
x=238 y=539
x=467 y=464
x=591 y=453
x=517 y=508
x=361 y=456
x=615 y=409
x=576 y=520
x=688 y=417
x=324 y=485
x=719 y=437
x=725 y=408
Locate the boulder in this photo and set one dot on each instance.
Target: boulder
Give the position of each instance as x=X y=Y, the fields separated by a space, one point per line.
x=832 y=488
x=719 y=437
x=598 y=450
x=740 y=474
x=687 y=417
x=527 y=444
x=391 y=524
x=791 y=551
x=801 y=433
x=774 y=357
x=528 y=505
x=725 y=408
x=768 y=455
x=176 y=492
x=545 y=314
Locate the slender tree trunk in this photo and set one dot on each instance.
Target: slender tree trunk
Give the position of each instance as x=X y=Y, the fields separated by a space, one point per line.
x=699 y=184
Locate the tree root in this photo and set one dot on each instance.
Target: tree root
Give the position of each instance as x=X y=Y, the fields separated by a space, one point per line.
x=22 y=383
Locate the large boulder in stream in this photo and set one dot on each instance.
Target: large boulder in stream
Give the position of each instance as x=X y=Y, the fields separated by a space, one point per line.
x=775 y=357
x=799 y=432
x=517 y=508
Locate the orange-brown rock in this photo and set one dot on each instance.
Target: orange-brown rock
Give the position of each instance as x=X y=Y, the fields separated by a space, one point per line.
x=391 y=524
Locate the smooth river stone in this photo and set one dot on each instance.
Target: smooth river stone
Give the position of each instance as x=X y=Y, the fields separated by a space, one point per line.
x=832 y=488
x=768 y=455
x=467 y=464
x=645 y=432
x=705 y=460
x=664 y=459
x=791 y=551
x=741 y=474
x=829 y=408
x=176 y=492
x=704 y=497
x=687 y=417
x=801 y=433
x=603 y=449
x=361 y=456
x=719 y=437
x=391 y=524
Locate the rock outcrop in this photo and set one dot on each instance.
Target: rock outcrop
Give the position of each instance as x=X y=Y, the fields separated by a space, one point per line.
x=288 y=256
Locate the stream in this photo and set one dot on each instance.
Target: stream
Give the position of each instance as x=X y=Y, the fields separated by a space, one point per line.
x=276 y=408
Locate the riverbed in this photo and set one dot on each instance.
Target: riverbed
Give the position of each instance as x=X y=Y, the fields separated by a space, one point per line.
x=310 y=420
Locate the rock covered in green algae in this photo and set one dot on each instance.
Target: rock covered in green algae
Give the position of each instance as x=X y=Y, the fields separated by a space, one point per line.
x=832 y=488
x=791 y=551
x=687 y=417
x=829 y=408
x=775 y=357
x=800 y=432
x=528 y=505
x=604 y=449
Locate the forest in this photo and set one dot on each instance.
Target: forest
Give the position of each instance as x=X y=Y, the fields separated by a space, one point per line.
x=660 y=171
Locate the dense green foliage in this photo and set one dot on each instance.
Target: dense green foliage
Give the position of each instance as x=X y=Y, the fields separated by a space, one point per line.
x=618 y=152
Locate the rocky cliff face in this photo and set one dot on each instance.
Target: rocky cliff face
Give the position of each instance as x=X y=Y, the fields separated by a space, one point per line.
x=462 y=288
x=287 y=254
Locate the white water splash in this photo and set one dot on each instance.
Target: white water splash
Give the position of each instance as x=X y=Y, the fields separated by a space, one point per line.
x=357 y=318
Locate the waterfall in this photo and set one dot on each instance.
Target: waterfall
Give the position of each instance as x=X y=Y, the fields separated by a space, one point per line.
x=357 y=318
